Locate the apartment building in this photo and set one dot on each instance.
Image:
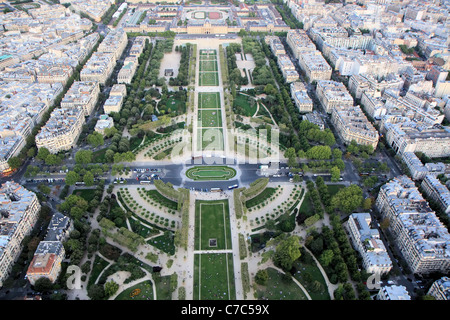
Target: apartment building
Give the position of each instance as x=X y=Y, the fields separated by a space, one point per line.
x=367 y=242
x=103 y=123
x=300 y=95
x=413 y=136
x=315 y=118
x=10 y=147
x=299 y=42
x=54 y=73
x=287 y=68
x=62 y=130
x=421 y=238
x=275 y=45
x=393 y=293
x=437 y=191
x=114 y=42
x=332 y=93
x=82 y=95
x=115 y=100
x=357 y=84
x=315 y=67
x=128 y=70
x=352 y=125
x=46 y=262
x=440 y=289
x=19 y=209
x=418 y=170
x=373 y=104
x=412 y=106
x=99 y=67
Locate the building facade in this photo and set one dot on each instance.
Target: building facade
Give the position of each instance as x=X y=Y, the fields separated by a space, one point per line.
x=19 y=209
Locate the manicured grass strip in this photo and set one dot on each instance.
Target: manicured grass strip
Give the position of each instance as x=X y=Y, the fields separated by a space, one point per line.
x=211 y=173
x=210 y=139
x=211 y=118
x=158 y=197
x=209 y=100
x=209 y=79
x=212 y=221
x=214 y=277
x=208 y=65
x=266 y=194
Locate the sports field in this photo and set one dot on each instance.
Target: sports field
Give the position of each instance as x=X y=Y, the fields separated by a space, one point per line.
x=212 y=222
x=214 y=276
x=211 y=173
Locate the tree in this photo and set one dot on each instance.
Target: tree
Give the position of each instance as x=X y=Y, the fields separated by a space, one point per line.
x=347 y=199
x=43 y=285
x=42 y=153
x=287 y=251
x=83 y=157
x=367 y=204
x=261 y=277
x=110 y=288
x=31 y=152
x=95 y=139
x=88 y=179
x=326 y=257
x=109 y=132
x=96 y=292
x=319 y=153
x=335 y=174
x=14 y=163
x=71 y=178
x=52 y=159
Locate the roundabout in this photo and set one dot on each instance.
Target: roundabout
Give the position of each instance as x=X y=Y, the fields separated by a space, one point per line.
x=207 y=173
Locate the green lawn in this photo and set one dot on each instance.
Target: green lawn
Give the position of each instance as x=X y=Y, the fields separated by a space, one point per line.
x=164 y=242
x=210 y=139
x=214 y=277
x=140 y=291
x=97 y=268
x=208 y=54
x=99 y=156
x=280 y=287
x=208 y=65
x=208 y=78
x=334 y=188
x=172 y=105
x=307 y=207
x=309 y=275
x=86 y=194
x=209 y=100
x=265 y=194
x=159 y=198
x=242 y=105
x=211 y=173
x=212 y=221
x=210 y=118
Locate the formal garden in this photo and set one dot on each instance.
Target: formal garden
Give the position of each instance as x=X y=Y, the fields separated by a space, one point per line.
x=207 y=173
